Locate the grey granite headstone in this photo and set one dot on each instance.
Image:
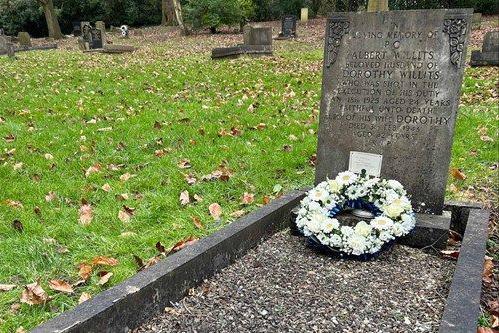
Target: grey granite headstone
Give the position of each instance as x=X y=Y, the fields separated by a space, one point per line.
x=76 y=28
x=288 y=27
x=102 y=27
x=489 y=56
x=390 y=92
x=96 y=39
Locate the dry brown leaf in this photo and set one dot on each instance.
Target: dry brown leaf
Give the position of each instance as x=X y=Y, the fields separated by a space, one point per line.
x=20 y=329
x=50 y=196
x=266 y=200
x=486 y=138
x=7 y=287
x=184 y=164
x=126 y=176
x=86 y=214
x=48 y=156
x=106 y=187
x=14 y=203
x=34 y=294
x=126 y=213
x=238 y=213
x=190 y=179
x=215 y=210
x=104 y=277
x=486 y=330
x=17 y=225
x=104 y=261
x=488 y=271
x=248 y=198
x=61 y=285
x=93 y=169
x=84 y=297
x=183 y=243
x=197 y=222
x=198 y=198
x=85 y=271
x=458 y=174
x=184 y=198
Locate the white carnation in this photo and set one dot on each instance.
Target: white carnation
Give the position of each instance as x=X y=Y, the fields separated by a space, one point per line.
x=381 y=223
x=346 y=178
x=363 y=229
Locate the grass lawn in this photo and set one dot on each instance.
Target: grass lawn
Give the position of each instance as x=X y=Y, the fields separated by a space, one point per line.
x=134 y=118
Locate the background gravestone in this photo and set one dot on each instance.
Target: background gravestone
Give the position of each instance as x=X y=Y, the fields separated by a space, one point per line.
x=86 y=36
x=304 y=15
x=76 y=28
x=246 y=34
x=489 y=56
x=390 y=93
x=260 y=36
x=96 y=39
x=288 y=27
x=102 y=27
x=24 y=39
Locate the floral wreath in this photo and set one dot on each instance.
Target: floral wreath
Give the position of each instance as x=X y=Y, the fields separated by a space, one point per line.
x=385 y=199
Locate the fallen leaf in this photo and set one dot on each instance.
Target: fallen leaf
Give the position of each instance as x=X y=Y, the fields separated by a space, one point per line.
x=277 y=188
x=34 y=294
x=18 y=166
x=104 y=277
x=248 y=198
x=160 y=247
x=7 y=287
x=106 y=187
x=14 y=203
x=486 y=330
x=126 y=213
x=184 y=164
x=190 y=179
x=215 y=210
x=197 y=222
x=105 y=261
x=126 y=177
x=17 y=225
x=183 y=243
x=486 y=138
x=48 y=157
x=86 y=214
x=266 y=200
x=50 y=196
x=488 y=268
x=312 y=160
x=453 y=254
x=20 y=330
x=198 y=198
x=61 y=285
x=457 y=174
x=85 y=271
x=84 y=297
x=184 y=198
x=237 y=213
x=93 y=169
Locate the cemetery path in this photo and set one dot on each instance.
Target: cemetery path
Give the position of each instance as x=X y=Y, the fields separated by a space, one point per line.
x=282 y=286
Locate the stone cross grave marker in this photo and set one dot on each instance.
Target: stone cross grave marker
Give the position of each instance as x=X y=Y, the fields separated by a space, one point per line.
x=390 y=92
x=288 y=27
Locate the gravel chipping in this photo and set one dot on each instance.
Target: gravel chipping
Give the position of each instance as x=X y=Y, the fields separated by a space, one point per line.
x=283 y=286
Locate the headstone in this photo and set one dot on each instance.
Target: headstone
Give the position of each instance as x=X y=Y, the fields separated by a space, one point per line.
x=477 y=20
x=489 y=56
x=96 y=39
x=2 y=32
x=102 y=27
x=24 y=39
x=260 y=36
x=86 y=34
x=288 y=27
x=390 y=93
x=6 y=46
x=76 y=28
x=304 y=15
x=246 y=34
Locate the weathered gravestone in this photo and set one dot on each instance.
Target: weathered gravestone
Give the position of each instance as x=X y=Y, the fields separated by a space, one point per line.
x=86 y=36
x=489 y=56
x=24 y=39
x=390 y=93
x=257 y=41
x=304 y=15
x=6 y=46
x=76 y=28
x=100 y=25
x=96 y=39
x=477 y=20
x=288 y=27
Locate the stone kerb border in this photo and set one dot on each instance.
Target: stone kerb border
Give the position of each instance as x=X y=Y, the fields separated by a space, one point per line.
x=130 y=303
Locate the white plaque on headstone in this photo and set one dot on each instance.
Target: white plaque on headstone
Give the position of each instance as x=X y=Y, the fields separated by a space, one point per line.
x=367 y=161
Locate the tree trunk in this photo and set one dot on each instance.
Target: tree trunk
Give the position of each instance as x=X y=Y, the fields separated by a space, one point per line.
x=51 y=17
x=167 y=13
x=377 y=6
x=178 y=13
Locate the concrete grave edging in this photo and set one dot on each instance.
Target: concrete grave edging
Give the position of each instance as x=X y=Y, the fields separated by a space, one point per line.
x=130 y=303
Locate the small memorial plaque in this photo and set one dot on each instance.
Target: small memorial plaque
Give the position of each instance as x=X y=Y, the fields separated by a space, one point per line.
x=365 y=161
x=391 y=86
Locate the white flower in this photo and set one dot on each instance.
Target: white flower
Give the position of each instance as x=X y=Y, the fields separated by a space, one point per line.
x=314 y=206
x=318 y=194
x=357 y=243
x=346 y=178
x=314 y=226
x=346 y=230
x=334 y=186
x=390 y=195
x=398 y=230
x=329 y=225
x=393 y=210
x=395 y=184
x=363 y=229
x=335 y=240
x=381 y=223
